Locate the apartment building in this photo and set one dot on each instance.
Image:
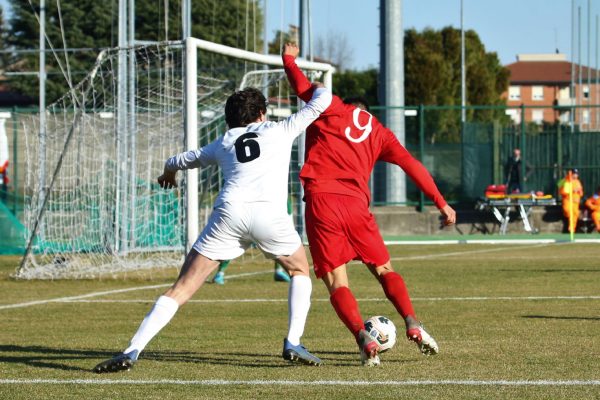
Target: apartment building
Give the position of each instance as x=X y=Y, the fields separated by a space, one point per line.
x=546 y=81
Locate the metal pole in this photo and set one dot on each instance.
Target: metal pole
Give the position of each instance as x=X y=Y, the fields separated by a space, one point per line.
x=300 y=207
x=597 y=97
x=309 y=31
x=422 y=150
x=392 y=89
x=15 y=158
x=42 y=106
x=523 y=148
x=265 y=49
x=589 y=65
x=579 y=72
x=572 y=94
x=463 y=84
x=132 y=124
x=121 y=202
x=191 y=140
x=186 y=18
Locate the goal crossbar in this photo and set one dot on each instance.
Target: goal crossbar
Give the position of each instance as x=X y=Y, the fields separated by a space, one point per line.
x=192 y=45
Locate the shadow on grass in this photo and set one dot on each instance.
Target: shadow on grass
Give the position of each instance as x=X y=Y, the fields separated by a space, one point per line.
x=46 y=357
x=561 y=317
x=56 y=358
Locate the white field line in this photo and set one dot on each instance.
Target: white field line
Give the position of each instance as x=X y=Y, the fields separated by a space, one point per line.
x=325 y=300
x=462 y=253
x=110 y=292
x=220 y=382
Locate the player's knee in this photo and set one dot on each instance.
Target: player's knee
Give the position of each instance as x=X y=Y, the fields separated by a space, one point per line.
x=381 y=270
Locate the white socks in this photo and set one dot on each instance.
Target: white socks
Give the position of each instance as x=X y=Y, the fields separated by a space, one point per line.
x=298 y=306
x=164 y=309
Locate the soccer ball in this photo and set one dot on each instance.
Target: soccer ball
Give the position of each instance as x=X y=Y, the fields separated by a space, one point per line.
x=383 y=330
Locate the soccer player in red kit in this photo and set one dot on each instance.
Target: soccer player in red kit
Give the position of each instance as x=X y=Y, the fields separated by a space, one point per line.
x=342 y=146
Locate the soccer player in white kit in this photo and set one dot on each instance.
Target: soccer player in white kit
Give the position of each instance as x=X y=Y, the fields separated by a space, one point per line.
x=254 y=155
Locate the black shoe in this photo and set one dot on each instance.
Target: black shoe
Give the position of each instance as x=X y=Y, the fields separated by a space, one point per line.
x=122 y=362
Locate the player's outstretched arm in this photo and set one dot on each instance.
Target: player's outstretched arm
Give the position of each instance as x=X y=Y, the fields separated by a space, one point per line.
x=186 y=160
x=296 y=77
x=298 y=122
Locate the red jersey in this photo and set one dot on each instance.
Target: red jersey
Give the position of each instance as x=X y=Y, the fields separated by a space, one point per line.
x=344 y=143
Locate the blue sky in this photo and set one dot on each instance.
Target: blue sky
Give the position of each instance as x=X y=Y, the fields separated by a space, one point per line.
x=507 y=27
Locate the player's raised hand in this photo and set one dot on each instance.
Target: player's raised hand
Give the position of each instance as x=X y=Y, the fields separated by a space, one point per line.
x=167 y=180
x=449 y=213
x=290 y=49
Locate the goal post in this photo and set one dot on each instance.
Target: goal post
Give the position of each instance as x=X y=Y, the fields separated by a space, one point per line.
x=103 y=212
x=192 y=45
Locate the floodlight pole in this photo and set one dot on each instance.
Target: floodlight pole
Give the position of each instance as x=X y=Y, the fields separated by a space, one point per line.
x=121 y=216
x=392 y=89
x=42 y=104
x=463 y=79
x=132 y=125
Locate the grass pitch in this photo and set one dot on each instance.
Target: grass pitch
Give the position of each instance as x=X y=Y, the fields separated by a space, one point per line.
x=512 y=322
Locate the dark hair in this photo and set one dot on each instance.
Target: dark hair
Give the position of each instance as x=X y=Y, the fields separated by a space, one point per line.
x=358 y=101
x=244 y=107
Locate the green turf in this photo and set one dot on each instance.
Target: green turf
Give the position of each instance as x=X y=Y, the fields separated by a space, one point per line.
x=556 y=237
x=511 y=333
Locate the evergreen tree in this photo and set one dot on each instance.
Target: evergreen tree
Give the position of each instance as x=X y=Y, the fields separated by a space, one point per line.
x=93 y=24
x=432 y=77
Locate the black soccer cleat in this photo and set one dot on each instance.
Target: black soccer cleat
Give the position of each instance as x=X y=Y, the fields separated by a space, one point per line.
x=122 y=362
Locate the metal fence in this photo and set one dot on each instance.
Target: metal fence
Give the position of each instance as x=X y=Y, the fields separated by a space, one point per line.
x=464 y=158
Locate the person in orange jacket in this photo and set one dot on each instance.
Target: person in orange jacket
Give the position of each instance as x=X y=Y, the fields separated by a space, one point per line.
x=571 y=192
x=593 y=204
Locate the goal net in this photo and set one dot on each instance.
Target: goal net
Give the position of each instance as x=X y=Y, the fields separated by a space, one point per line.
x=94 y=207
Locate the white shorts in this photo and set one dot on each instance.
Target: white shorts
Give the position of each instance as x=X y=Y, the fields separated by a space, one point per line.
x=233 y=227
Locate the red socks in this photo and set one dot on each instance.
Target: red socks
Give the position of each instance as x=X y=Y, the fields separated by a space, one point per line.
x=346 y=307
x=395 y=290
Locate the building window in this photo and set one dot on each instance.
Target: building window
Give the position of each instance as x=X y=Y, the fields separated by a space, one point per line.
x=537 y=93
x=585 y=117
x=586 y=92
x=537 y=116
x=514 y=93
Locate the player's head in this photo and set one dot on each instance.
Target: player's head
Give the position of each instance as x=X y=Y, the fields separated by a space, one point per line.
x=244 y=107
x=517 y=153
x=357 y=101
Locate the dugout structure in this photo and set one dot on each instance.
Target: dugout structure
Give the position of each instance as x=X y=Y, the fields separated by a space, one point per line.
x=94 y=207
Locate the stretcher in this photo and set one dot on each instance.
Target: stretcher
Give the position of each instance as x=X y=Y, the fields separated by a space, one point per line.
x=502 y=204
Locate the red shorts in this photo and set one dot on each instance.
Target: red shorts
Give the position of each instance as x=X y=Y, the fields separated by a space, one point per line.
x=341 y=228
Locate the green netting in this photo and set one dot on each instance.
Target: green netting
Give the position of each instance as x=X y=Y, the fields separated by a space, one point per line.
x=12 y=237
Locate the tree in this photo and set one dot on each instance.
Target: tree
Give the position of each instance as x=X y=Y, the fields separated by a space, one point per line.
x=93 y=24
x=335 y=48
x=432 y=77
x=3 y=56
x=357 y=84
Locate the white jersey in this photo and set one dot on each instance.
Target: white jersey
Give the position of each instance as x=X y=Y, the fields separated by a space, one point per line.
x=255 y=159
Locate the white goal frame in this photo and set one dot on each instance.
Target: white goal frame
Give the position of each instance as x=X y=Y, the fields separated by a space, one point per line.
x=192 y=45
